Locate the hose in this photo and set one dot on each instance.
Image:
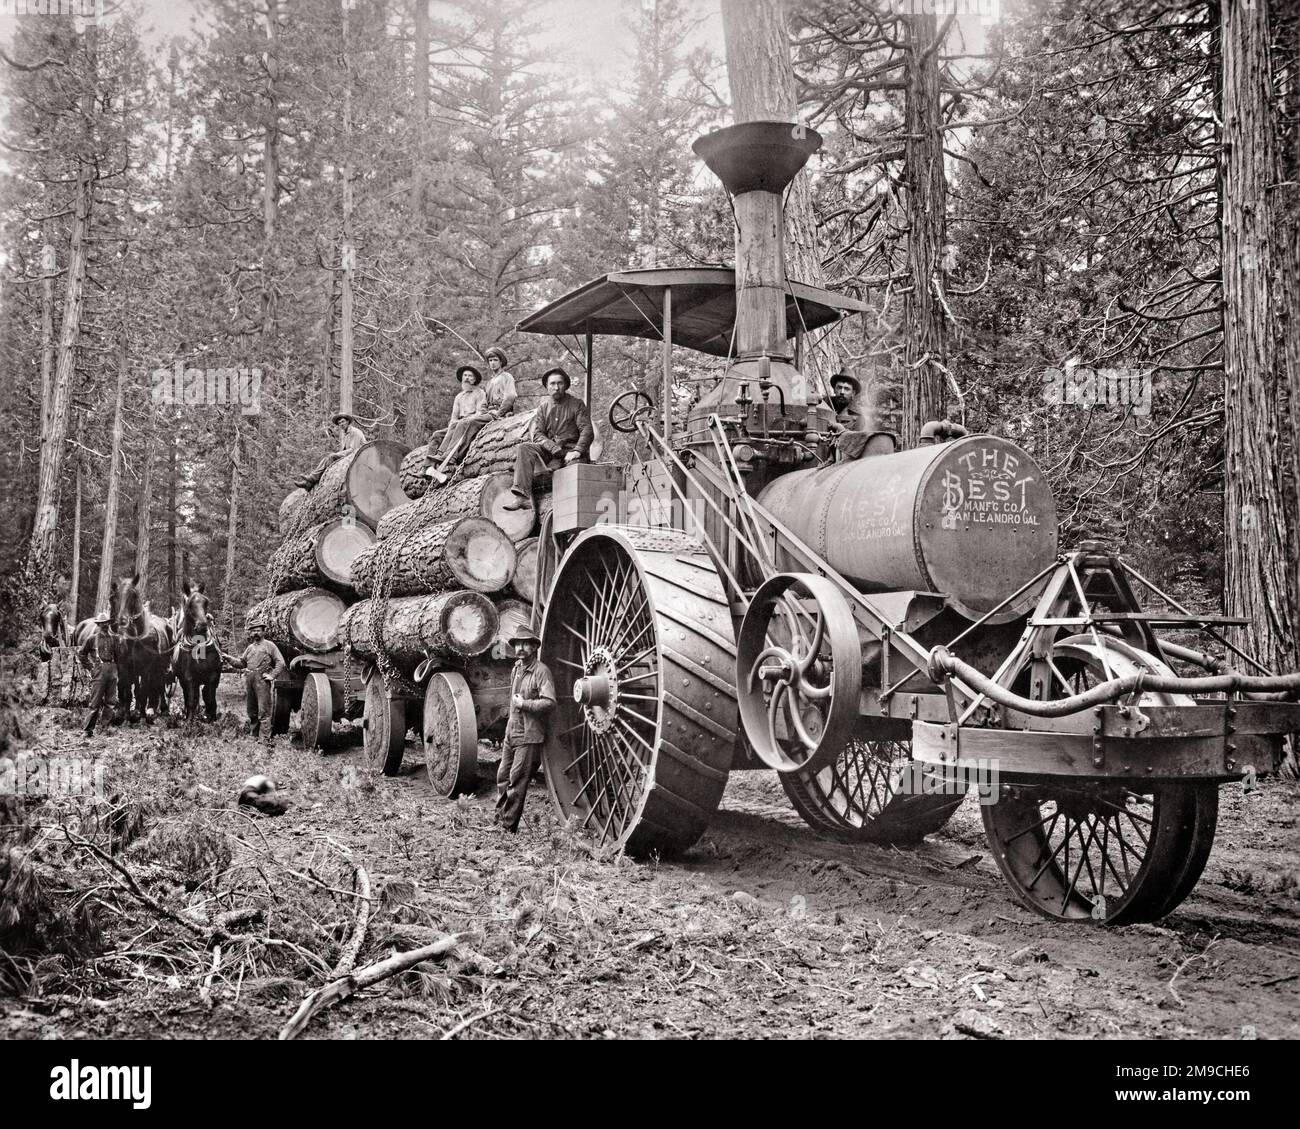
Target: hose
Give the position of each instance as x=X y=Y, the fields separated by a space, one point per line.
x=943 y=663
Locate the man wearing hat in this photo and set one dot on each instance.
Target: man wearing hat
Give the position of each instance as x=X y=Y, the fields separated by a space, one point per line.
x=263 y=664
x=350 y=438
x=468 y=414
x=849 y=416
x=102 y=647
x=501 y=390
x=561 y=434
x=532 y=697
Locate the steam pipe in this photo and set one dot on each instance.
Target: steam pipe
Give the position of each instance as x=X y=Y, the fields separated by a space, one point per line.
x=943 y=663
x=940 y=430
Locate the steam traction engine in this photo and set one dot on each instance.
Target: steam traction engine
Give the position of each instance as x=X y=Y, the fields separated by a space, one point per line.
x=883 y=632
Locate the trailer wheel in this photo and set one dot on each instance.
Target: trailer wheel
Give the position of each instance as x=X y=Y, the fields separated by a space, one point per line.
x=450 y=734
x=317 y=713
x=385 y=726
x=1111 y=851
x=638 y=635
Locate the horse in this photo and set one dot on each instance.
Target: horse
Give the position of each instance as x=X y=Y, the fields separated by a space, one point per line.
x=54 y=630
x=196 y=659
x=147 y=652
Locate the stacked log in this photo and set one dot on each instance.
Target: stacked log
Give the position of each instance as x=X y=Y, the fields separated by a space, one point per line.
x=493 y=449
x=525 y=577
x=483 y=496
x=458 y=625
x=320 y=557
x=303 y=620
x=411 y=472
x=363 y=485
x=467 y=552
x=512 y=615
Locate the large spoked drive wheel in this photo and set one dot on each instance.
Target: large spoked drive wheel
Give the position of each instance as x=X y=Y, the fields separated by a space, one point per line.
x=450 y=734
x=872 y=792
x=1116 y=852
x=385 y=727
x=799 y=672
x=317 y=712
x=638 y=636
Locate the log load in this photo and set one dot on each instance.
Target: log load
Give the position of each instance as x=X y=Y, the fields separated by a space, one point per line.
x=321 y=556
x=493 y=449
x=512 y=615
x=467 y=552
x=450 y=624
x=287 y=508
x=411 y=472
x=525 y=576
x=363 y=484
x=484 y=496
x=305 y=620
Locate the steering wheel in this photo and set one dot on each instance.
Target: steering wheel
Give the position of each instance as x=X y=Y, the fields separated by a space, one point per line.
x=628 y=410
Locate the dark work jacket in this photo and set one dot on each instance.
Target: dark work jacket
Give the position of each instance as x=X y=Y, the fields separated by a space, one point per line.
x=101 y=648
x=533 y=683
x=566 y=426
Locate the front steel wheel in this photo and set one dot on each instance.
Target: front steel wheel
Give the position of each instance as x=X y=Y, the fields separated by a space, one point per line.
x=639 y=638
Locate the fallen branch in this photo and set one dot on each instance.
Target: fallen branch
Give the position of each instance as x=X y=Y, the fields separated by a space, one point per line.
x=347 y=986
x=361 y=883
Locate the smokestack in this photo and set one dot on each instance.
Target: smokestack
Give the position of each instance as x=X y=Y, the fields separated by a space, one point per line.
x=756 y=161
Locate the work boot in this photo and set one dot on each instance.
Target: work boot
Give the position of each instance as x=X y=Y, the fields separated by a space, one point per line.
x=517 y=502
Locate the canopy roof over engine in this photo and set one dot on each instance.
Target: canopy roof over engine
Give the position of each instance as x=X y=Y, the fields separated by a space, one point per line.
x=703 y=308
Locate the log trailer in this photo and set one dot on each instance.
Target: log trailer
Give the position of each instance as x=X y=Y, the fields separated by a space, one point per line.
x=886 y=633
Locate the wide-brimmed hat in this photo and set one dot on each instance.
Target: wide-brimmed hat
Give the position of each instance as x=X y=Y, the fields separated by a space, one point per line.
x=478 y=376
x=568 y=381
x=524 y=635
x=103 y=617
x=498 y=353
x=847 y=378
x=341 y=415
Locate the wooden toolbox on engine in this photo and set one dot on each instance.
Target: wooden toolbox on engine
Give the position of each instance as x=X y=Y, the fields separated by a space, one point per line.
x=586 y=494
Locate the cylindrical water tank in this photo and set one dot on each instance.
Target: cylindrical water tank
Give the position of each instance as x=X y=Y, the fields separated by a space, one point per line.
x=973 y=520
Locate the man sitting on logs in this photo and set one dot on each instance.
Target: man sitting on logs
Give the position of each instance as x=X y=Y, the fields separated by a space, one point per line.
x=468 y=415
x=350 y=438
x=532 y=697
x=101 y=647
x=562 y=434
x=263 y=664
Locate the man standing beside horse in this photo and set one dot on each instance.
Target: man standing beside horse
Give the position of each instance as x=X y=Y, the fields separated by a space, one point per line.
x=263 y=664
x=102 y=648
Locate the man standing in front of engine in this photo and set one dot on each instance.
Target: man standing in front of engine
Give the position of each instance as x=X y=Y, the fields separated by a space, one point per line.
x=532 y=697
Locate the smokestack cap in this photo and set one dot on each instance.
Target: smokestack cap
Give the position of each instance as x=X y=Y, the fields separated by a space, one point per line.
x=757 y=156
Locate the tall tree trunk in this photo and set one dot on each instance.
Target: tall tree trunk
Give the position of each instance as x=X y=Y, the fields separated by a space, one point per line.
x=113 y=492
x=232 y=531
x=144 y=504
x=761 y=77
x=347 y=251
x=40 y=552
x=420 y=106
x=1260 y=533
x=923 y=316
x=74 y=593
x=49 y=263
x=173 y=581
x=270 y=167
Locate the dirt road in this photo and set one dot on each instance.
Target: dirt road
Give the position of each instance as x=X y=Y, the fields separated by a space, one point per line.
x=763 y=928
